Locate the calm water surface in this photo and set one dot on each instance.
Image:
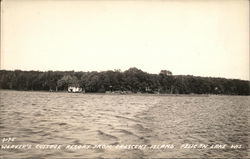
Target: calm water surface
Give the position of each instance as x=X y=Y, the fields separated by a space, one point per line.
x=91 y=119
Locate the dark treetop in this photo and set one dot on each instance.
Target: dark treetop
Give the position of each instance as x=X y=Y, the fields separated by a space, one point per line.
x=132 y=80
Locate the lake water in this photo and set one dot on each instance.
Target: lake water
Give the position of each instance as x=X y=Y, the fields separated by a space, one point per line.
x=117 y=121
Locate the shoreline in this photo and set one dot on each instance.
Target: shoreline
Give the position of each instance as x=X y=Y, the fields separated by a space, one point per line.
x=134 y=94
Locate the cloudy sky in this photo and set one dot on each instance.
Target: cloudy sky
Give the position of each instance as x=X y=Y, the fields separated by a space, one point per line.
x=202 y=38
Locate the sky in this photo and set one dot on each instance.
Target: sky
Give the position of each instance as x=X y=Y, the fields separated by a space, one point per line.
x=187 y=37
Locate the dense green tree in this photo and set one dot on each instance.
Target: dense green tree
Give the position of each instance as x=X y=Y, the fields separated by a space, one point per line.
x=66 y=81
x=133 y=79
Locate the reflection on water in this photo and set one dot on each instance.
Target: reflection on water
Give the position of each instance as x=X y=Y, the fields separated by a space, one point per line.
x=92 y=119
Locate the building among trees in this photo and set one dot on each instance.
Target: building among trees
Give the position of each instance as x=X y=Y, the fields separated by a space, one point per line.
x=132 y=80
x=74 y=89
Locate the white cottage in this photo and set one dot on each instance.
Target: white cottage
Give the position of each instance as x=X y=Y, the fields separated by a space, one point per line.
x=72 y=89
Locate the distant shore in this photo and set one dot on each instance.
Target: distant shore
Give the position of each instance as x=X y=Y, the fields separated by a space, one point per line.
x=130 y=81
x=133 y=94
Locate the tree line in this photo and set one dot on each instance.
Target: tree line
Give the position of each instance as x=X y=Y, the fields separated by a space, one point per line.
x=132 y=80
